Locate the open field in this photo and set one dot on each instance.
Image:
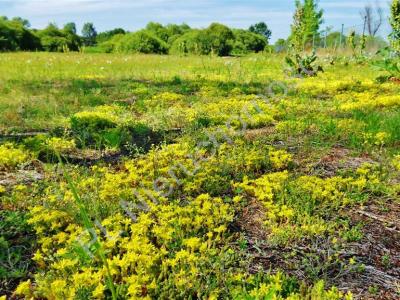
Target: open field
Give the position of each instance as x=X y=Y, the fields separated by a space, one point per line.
x=166 y=177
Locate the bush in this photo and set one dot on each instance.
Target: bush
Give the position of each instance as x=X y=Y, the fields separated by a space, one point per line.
x=167 y=33
x=216 y=39
x=246 y=42
x=108 y=35
x=108 y=46
x=108 y=126
x=141 y=42
x=92 y=127
x=14 y=36
x=54 y=39
x=303 y=66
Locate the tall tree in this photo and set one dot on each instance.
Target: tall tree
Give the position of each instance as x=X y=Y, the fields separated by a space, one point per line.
x=262 y=29
x=70 y=27
x=89 y=34
x=373 y=19
x=395 y=22
x=306 y=22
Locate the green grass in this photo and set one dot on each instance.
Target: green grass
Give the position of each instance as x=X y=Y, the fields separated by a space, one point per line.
x=153 y=111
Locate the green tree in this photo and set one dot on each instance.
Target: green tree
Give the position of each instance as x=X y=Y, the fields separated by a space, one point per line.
x=220 y=39
x=395 y=23
x=15 y=36
x=70 y=27
x=217 y=39
x=24 y=22
x=168 y=33
x=108 y=35
x=306 y=22
x=262 y=29
x=89 y=34
x=246 y=42
x=143 y=41
x=54 y=39
x=175 y=31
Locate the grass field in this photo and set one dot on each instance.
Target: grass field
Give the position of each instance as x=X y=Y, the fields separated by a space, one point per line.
x=163 y=177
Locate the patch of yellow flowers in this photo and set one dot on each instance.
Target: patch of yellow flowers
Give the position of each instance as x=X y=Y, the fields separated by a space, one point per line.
x=11 y=157
x=169 y=250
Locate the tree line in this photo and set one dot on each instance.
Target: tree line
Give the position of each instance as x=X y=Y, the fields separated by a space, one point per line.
x=217 y=39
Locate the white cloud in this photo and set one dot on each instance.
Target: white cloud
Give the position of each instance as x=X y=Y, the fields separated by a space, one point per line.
x=49 y=7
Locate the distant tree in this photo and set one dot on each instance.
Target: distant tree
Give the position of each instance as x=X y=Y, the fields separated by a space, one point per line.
x=373 y=19
x=54 y=39
x=159 y=30
x=261 y=28
x=168 y=33
x=217 y=39
x=246 y=42
x=143 y=41
x=22 y=21
x=220 y=38
x=175 y=31
x=281 y=45
x=15 y=36
x=395 y=23
x=89 y=34
x=74 y=41
x=108 y=35
x=70 y=27
x=306 y=22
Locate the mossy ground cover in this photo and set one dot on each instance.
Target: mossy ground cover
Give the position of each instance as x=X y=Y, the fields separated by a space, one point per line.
x=197 y=178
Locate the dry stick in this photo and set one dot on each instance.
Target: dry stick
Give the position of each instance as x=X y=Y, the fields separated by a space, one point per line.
x=380 y=219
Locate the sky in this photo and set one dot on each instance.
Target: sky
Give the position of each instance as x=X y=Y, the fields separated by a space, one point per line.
x=133 y=15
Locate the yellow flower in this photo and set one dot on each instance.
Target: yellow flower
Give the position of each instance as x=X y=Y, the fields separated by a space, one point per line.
x=381 y=138
x=98 y=292
x=24 y=288
x=11 y=157
x=396 y=162
x=192 y=243
x=279 y=158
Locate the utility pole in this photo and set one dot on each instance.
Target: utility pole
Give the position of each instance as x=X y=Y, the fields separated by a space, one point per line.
x=341 y=36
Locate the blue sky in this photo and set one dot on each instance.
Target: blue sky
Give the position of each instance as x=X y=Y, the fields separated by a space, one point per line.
x=133 y=15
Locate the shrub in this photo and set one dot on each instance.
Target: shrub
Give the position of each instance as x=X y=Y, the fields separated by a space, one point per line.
x=141 y=42
x=388 y=63
x=246 y=42
x=92 y=127
x=216 y=39
x=108 y=46
x=54 y=39
x=14 y=36
x=109 y=126
x=108 y=35
x=303 y=65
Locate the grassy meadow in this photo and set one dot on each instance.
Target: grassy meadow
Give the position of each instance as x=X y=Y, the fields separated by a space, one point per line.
x=167 y=177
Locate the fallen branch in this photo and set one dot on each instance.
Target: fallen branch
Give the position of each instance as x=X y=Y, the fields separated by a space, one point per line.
x=392 y=226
